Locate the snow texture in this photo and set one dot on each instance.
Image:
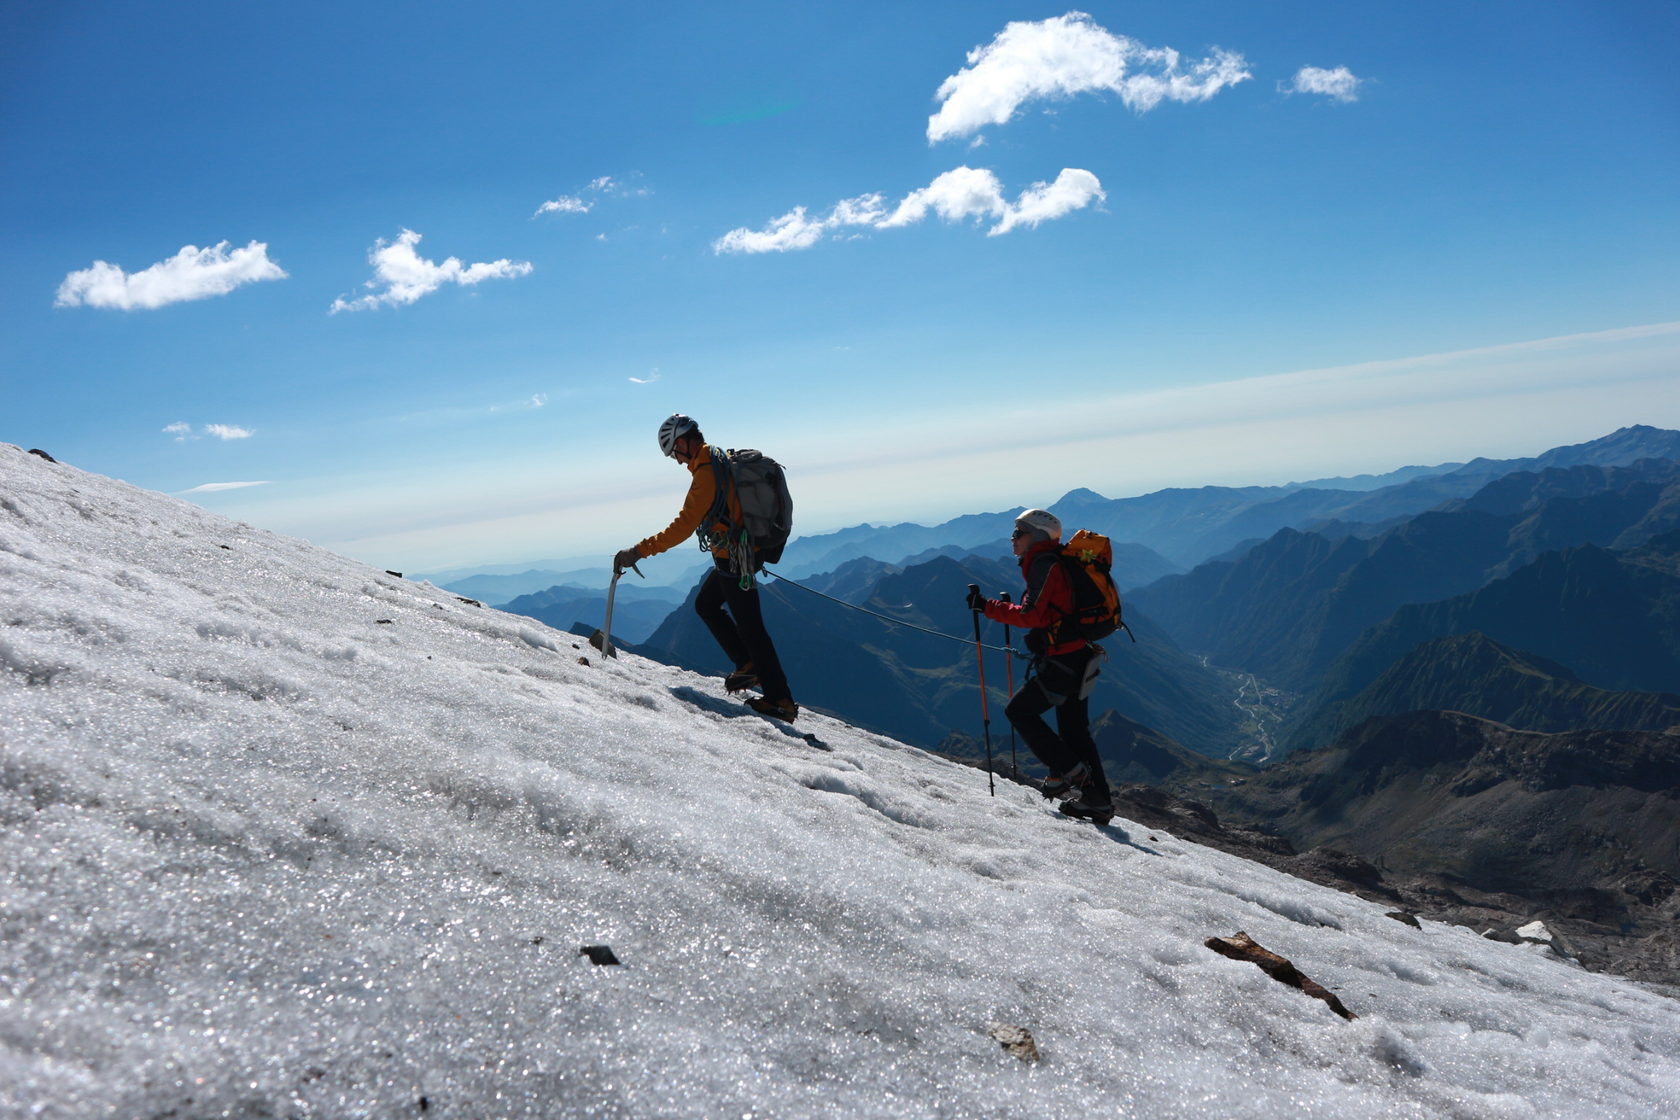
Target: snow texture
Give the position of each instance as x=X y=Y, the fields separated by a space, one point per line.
x=283 y=835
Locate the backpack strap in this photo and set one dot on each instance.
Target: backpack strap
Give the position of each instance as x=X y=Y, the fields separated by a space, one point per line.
x=1037 y=573
x=722 y=480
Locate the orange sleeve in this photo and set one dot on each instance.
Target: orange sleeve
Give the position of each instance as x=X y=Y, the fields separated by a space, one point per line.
x=702 y=491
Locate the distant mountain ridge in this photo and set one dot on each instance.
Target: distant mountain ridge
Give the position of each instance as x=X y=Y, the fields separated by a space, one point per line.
x=1292 y=604
x=1188 y=526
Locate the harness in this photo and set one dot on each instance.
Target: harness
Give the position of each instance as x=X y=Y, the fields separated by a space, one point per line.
x=737 y=544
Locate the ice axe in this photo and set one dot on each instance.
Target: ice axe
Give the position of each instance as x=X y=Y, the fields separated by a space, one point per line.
x=602 y=638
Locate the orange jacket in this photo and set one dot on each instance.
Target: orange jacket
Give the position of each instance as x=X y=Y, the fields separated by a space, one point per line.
x=702 y=493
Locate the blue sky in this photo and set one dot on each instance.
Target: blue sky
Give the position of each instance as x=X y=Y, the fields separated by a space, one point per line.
x=426 y=277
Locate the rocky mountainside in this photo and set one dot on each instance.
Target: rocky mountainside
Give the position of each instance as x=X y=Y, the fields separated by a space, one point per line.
x=1581 y=825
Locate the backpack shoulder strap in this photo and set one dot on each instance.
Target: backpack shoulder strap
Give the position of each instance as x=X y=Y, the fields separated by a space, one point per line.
x=1037 y=573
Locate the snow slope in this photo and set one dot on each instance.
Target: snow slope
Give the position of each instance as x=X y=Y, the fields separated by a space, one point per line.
x=282 y=835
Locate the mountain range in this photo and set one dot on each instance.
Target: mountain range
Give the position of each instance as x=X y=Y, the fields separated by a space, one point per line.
x=1189 y=526
x=1289 y=606
x=1269 y=648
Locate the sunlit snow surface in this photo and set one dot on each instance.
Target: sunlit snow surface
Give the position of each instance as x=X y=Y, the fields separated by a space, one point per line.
x=283 y=835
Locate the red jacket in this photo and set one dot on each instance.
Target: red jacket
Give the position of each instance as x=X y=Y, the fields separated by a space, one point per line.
x=1040 y=607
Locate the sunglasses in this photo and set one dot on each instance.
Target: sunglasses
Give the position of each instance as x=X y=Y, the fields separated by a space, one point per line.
x=1020 y=533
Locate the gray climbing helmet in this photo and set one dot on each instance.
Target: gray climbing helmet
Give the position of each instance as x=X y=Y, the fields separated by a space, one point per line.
x=674 y=428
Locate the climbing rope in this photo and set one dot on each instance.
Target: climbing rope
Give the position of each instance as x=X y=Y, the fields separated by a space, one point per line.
x=887 y=618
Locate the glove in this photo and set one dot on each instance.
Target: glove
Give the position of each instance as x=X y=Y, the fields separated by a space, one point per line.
x=626 y=558
x=976 y=601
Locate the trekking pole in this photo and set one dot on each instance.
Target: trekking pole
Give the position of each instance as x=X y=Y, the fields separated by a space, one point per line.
x=1009 y=676
x=985 y=711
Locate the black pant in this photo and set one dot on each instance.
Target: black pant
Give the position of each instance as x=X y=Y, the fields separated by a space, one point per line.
x=1057 y=685
x=739 y=629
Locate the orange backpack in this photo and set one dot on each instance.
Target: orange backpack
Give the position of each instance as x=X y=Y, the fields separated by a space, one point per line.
x=1088 y=558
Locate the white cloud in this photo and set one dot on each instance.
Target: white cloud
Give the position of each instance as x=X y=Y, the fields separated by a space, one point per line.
x=193 y=273
x=1074 y=189
x=212 y=487
x=792 y=230
x=406 y=276
x=565 y=204
x=1065 y=56
x=582 y=203
x=1338 y=83
x=182 y=431
x=652 y=376
x=963 y=192
x=864 y=210
x=957 y=195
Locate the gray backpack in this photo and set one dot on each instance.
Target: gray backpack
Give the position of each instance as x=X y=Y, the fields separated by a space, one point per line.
x=766 y=506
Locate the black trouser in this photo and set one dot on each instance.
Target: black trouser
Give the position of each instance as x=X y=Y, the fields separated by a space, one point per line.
x=1057 y=685
x=739 y=629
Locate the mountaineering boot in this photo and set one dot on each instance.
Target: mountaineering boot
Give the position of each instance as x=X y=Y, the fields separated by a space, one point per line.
x=1098 y=813
x=784 y=708
x=743 y=677
x=1059 y=786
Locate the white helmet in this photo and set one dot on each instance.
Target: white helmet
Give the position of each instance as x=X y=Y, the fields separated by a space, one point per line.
x=1040 y=521
x=674 y=428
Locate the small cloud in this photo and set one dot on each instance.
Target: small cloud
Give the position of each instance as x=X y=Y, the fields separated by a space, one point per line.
x=527 y=404
x=406 y=276
x=792 y=230
x=957 y=195
x=213 y=487
x=565 y=204
x=1338 y=83
x=182 y=431
x=583 y=203
x=192 y=273
x=652 y=376
x=1065 y=56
